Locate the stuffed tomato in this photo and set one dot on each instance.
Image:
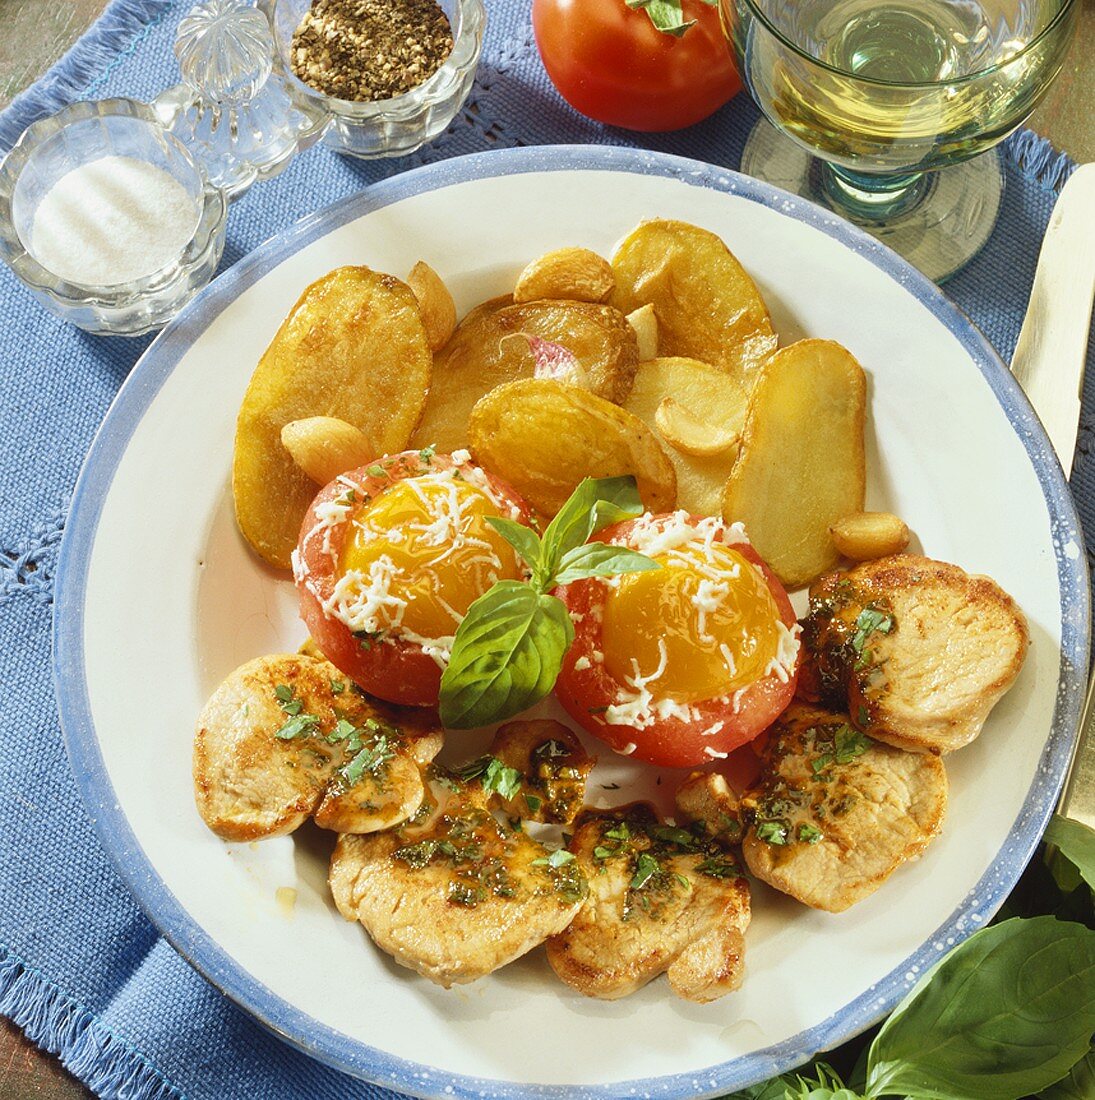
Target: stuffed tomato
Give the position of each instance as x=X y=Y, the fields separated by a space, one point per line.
x=680 y=665
x=390 y=558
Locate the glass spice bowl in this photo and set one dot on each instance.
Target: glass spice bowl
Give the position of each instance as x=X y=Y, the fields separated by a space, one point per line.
x=400 y=125
x=78 y=135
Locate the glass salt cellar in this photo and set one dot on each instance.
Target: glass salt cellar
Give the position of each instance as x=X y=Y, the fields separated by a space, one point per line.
x=75 y=137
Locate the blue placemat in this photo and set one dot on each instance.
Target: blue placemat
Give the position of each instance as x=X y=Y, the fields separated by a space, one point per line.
x=82 y=971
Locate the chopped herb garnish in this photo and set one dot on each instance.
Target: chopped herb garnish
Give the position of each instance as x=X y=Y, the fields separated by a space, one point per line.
x=669 y=834
x=463 y=893
x=337 y=687
x=300 y=725
x=808 y=833
x=427 y=453
x=619 y=831
x=556 y=859
x=601 y=852
x=869 y=621
x=718 y=867
x=343 y=731
x=493 y=775
x=863 y=716
x=646 y=867
x=287 y=699
x=376 y=470
x=850 y=743
x=533 y=803
x=772 y=832
x=370 y=759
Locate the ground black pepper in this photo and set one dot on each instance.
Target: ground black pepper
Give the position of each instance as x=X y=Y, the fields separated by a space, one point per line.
x=368 y=50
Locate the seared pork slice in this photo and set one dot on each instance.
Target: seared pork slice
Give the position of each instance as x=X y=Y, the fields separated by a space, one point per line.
x=553 y=766
x=917 y=650
x=287 y=735
x=836 y=813
x=455 y=894
x=381 y=782
x=706 y=798
x=661 y=900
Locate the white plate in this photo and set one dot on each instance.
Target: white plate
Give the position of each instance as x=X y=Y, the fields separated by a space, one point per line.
x=158 y=599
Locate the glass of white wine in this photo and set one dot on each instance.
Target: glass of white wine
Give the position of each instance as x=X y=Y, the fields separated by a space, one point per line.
x=880 y=108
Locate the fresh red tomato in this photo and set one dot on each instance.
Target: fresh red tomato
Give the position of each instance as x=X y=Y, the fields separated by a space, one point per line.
x=610 y=63
x=389 y=559
x=680 y=665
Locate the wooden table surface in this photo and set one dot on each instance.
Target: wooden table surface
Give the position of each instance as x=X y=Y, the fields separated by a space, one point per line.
x=37 y=32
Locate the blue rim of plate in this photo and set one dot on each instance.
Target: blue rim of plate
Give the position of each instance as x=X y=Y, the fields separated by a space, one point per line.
x=359 y=1059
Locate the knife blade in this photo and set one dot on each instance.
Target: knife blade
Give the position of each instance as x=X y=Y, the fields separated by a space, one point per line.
x=1049 y=364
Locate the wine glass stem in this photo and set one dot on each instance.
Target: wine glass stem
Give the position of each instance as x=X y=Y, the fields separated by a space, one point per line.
x=864 y=196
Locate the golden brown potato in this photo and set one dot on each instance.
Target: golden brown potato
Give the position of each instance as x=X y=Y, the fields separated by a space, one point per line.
x=865 y=536
x=645 y=323
x=801 y=466
x=352 y=347
x=707 y=306
x=544 y=437
x=434 y=302
x=576 y=274
x=492 y=346
x=324 y=446
x=704 y=392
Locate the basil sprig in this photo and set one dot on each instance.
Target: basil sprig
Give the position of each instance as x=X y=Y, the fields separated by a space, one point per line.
x=1006 y=1014
x=509 y=649
x=667 y=15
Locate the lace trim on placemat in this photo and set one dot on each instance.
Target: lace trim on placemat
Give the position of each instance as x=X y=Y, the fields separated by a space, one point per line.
x=27 y=568
x=107 y=1064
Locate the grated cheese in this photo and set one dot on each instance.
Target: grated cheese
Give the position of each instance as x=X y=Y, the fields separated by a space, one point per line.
x=582 y=664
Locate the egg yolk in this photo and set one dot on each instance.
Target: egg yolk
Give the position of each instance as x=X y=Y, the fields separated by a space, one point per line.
x=710 y=609
x=443 y=554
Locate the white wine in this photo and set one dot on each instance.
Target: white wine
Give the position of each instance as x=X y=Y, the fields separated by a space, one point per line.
x=912 y=41
x=897 y=86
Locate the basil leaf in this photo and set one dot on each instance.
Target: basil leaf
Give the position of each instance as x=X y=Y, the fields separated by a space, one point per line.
x=594 y=504
x=666 y=15
x=523 y=539
x=1005 y=1014
x=506 y=655
x=1076 y=842
x=1078 y=1084
x=598 y=559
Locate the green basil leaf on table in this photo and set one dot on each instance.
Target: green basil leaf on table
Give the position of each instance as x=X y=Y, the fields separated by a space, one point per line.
x=1076 y=842
x=598 y=559
x=506 y=655
x=1077 y=1084
x=594 y=504
x=1007 y=1013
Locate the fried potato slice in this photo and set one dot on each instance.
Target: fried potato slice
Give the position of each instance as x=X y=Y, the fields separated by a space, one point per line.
x=576 y=274
x=434 y=303
x=865 y=536
x=493 y=346
x=708 y=307
x=324 y=446
x=544 y=437
x=704 y=392
x=352 y=347
x=801 y=464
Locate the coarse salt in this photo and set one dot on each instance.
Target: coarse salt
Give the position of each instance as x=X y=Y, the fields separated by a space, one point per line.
x=111 y=221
